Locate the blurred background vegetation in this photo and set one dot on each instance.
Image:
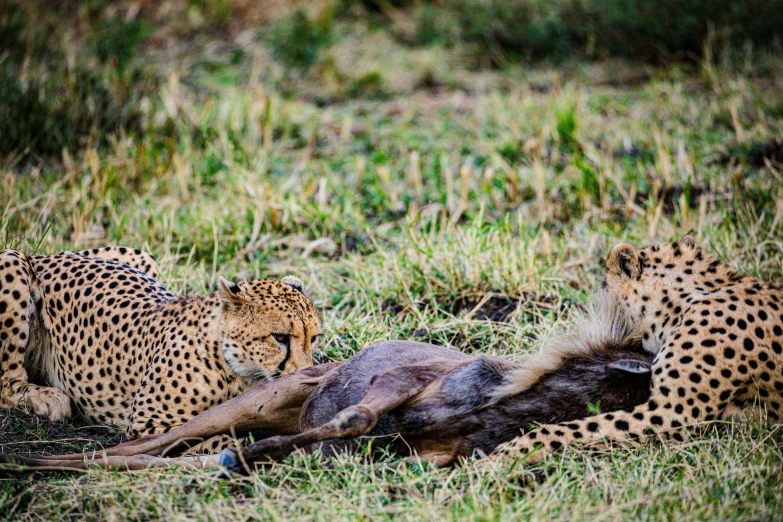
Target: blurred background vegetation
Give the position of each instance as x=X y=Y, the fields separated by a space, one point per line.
x=77 y=73
x=353 y=120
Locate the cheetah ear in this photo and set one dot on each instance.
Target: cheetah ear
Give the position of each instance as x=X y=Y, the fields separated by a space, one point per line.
x=230 y=294
x=688 y=240
x=630 y=366
x=624 y=261
x=295 y=283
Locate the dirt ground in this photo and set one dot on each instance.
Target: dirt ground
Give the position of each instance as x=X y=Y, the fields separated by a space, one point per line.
x=27 y=434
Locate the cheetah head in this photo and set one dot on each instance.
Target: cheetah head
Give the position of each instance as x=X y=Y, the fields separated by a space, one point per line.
x=268 y=328
x=655 y=283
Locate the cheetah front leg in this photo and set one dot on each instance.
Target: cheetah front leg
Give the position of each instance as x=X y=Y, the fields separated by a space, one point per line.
x=679 y=400
x=17 y=309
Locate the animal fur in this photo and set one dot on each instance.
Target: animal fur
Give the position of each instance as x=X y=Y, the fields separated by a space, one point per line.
x=440 y=404
x=604 y=324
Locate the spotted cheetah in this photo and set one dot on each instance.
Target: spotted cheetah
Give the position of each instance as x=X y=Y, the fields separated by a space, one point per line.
x=100 y=331
x=717 y=336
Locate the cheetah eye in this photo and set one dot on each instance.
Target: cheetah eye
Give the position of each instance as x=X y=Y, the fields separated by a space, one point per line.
x=282 y=338
x=315 y=339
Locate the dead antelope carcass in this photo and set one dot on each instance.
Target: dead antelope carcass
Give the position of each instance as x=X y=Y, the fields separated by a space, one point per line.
x=430 y=401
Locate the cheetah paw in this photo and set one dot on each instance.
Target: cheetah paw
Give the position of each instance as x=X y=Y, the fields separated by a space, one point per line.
x=48 y=402
x=508 y=454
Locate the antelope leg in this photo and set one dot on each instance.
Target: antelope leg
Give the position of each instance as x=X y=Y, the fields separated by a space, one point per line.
x=273 y=405
x=14 y=463
x=391 y=389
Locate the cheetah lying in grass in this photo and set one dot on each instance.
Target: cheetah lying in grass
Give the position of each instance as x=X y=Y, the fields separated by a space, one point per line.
x=101 y=331
x=717 y=338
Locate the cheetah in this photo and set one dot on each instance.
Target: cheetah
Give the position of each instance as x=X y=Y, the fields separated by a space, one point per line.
x=717 y=337
x=102 y=333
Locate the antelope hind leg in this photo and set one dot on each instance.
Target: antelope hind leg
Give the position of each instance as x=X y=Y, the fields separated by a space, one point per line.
x=391 y=389
x=14 y=463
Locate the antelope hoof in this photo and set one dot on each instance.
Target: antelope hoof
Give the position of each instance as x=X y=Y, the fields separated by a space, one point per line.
x=228 y=458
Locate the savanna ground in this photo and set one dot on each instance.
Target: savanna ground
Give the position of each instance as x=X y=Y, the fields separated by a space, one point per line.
x=423 y=189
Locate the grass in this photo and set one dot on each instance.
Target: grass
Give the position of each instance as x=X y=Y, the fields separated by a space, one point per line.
x=470 y=208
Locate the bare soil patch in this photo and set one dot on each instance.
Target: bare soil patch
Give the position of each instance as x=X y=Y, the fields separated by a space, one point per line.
x=25 y=433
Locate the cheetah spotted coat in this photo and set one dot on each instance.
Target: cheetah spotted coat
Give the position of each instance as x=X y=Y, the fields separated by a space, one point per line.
x=99 y=330
x=717 y=337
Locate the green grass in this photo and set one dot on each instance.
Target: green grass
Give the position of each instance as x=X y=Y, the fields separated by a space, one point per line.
x=405 y=191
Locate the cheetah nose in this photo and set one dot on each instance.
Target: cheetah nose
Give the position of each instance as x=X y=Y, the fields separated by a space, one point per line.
x=227 y=458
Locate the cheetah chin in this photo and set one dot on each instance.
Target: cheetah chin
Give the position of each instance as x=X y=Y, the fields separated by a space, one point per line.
x=253 y=373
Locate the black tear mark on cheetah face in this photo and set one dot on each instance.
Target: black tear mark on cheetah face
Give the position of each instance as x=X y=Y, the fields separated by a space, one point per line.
x=262 y=335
